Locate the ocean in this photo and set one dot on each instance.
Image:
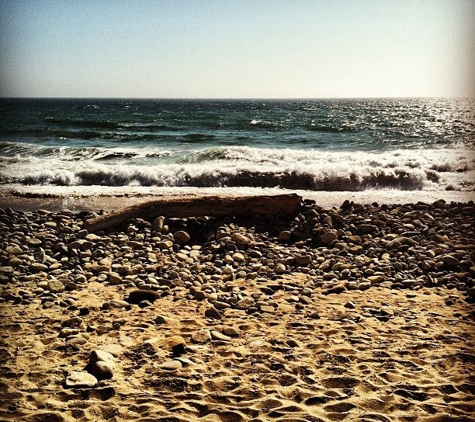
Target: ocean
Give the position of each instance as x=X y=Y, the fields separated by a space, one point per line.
x=311 y=145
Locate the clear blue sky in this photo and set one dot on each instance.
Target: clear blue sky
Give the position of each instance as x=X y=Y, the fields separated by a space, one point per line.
x=237 y=48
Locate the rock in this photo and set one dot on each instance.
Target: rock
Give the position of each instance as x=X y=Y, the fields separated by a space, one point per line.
x=157 y=224
x=166 y=244
x=103 y=370
x=182 y=236
x=450 y=260
x=231 y=331
x=302 y=260
x=212 y=312
x=98 y=355
x=38 y=266
x=55 y=286
x=160 y=319
x=285 y=236
x=171 y=365
x=245 y=303
x=101 y=364
x=113 y=349
x=201 y=336
x=336 y=289
x=440 y=203
x=328 y=237
x=241 y=239
x=80 y=379
x=71 y=322
x=114 y=278
x=32 y=241
x=471 y=292
x=137 y=296
x=117 y=303
x=367 y=228
x=216 y=335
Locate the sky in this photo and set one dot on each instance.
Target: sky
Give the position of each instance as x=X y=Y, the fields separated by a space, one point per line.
x=237 y=48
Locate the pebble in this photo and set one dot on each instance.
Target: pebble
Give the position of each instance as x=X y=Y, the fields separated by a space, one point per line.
x=241 y=239
x=201 y=336
x=137 y=296
x=55 y=286
x=328 y=237
x=212 y=312
x=182 y=236
x=450 y=260
x=171 y=365
x=355 y=247
x=101 y=364
x=80 y=379
x=216 y=335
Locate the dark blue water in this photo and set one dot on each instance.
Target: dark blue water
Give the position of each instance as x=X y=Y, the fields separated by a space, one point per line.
x=296 y=144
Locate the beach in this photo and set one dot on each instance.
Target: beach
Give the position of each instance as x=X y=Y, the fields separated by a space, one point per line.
x=358 y=307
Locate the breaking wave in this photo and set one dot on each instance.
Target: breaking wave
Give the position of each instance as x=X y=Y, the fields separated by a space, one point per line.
x=429 y=169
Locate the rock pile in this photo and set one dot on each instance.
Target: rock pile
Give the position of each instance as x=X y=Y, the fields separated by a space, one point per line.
x=239 y=262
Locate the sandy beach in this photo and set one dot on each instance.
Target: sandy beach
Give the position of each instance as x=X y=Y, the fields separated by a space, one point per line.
x=350 y=311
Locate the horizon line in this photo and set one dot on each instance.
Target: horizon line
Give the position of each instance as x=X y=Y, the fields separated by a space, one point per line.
x=231 y=98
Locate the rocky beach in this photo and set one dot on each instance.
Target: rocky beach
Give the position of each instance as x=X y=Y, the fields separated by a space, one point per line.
x=356 y=312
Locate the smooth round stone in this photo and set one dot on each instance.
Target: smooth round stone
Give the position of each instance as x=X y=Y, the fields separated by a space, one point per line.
x=241 y=239
x=450 y=260
x=113 y=349
x=305 y=300
x=33 y=241
x=285 y=236
x=328 y=237
x=55 y=286
x=408 y=283
x=100 y=355
x=239 y=257
x=15 y=250
x=471 y=292
x=374 y=279
x=76 y=340
x=15 y=261
x=231 y=331
x=171 y=365
x=367 y=228
x=67 y=332
x=114 y=278
x=117 y=303
x=7 y=269
x=103 y=370
x=38 y=266
x=216 y=335
x=182 y=236
x=364 y=285
x=245 y=303
x=166 y=244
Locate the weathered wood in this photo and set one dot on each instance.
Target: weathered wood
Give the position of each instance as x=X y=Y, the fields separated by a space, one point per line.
x=213 y=206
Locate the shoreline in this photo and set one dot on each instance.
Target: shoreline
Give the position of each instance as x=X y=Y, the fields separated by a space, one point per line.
x=97 y=198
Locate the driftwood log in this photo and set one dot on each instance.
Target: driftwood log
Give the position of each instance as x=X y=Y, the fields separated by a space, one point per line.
x=213 y=206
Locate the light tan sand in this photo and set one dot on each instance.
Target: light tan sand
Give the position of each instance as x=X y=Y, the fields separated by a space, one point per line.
x=323 y=363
